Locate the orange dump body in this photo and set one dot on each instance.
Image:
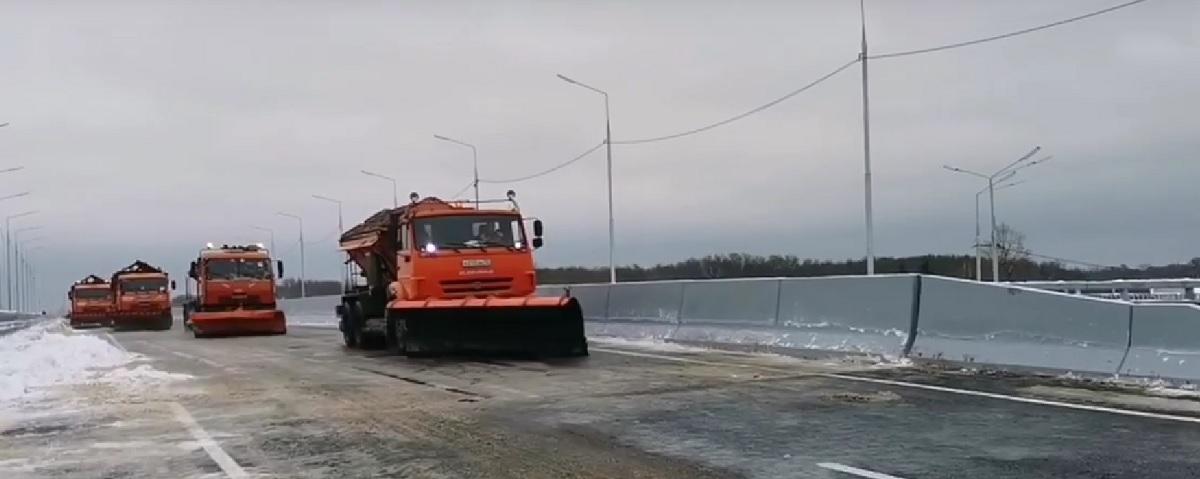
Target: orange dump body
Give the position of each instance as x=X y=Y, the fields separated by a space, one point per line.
x=236 y=294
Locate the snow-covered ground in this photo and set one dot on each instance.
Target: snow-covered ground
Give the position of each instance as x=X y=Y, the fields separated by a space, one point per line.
x=48 y=354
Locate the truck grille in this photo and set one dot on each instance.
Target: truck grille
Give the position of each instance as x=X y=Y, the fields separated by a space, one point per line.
x=460 y=288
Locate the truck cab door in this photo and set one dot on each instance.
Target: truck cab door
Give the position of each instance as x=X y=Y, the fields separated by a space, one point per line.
x=404 y=256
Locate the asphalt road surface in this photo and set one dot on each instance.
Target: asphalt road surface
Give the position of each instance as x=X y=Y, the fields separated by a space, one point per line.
x=302 y=406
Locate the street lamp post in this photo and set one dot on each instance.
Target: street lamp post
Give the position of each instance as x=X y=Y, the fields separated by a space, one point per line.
x=474 y=163
x=612 y=266
x=270 y=232
x=870 y=218
x=978 y=254
x=17 y=258
x=345 y=268
x=395 y=199
x=8 y=255
x=1000 y=175
x=301 y=223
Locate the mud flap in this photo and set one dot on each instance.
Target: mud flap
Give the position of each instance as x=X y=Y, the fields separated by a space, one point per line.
x=554 y=329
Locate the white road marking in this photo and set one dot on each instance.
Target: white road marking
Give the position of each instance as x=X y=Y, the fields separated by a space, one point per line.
x=691 y=361
x=833 y=466
x=965 y=392
x=1005 y=397
x=197 y=358
x=218 y=455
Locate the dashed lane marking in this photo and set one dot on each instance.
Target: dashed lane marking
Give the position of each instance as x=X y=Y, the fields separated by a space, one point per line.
x=218 y=455
x=833 y=466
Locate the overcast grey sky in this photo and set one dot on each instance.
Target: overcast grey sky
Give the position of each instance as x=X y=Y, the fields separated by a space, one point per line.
x=149 y=128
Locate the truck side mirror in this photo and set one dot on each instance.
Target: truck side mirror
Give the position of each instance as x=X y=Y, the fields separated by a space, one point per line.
x=172 y=285
x=192 y=273
x=70 y=295
x=537 y=228
x=279 y=267
x=537 y=242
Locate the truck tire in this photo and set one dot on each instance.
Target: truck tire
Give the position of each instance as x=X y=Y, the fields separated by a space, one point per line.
x=165 y=323
x=394 y=336
x=351 y=324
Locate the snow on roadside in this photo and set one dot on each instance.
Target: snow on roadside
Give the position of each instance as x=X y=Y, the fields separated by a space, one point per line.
x=49 y=354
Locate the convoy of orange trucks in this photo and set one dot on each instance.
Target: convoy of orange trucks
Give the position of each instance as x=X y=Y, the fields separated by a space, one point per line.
x=235 y=292
x=452 y=277
x=141 y=299
x=91 y=303
x=430 y=277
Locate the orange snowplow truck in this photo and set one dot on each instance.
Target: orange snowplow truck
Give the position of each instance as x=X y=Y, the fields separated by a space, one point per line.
x=140 y=298
x=91 y=302
x=235 y=293
x=452 y=277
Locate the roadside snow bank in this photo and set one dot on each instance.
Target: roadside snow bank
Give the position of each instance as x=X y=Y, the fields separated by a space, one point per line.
x=49 y=354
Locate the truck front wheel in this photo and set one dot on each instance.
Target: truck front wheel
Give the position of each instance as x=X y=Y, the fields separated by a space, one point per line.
x=351 y=324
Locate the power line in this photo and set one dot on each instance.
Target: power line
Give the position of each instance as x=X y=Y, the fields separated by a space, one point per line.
x=743 y=115
x=1004 y=35
x=1064 y=260
x=546 y=171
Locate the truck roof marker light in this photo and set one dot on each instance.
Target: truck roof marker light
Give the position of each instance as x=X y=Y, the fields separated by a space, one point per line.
x=511 y=194
x=430 y=248
x=208 y=245
x=413 y=197
x=260 y=245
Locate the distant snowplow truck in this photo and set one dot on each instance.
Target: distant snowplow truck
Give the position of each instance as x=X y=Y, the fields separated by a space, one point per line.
x=235 y=293
x=140 y=298
x=452 y=277
x=91 y=303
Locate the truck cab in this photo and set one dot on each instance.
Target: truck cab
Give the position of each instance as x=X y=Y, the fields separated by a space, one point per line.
x=447 y=251
x=235 y=292
x=142 y=297
x=91 y=302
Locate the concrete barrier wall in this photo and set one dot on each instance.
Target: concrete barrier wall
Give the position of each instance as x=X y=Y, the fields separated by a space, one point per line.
x=311 y=311
x=1164 y=342
x=848 y=313
x=1005 y=325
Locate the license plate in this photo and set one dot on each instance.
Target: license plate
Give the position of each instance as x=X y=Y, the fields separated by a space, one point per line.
x=476 y=263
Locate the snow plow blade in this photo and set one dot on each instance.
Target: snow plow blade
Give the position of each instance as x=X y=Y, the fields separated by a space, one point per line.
x=231 y=323
x=546 y=327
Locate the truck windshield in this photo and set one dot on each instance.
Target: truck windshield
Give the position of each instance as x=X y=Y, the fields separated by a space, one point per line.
x=144 y=285
x=433 y=234
x=238 y=269
x=93 y=294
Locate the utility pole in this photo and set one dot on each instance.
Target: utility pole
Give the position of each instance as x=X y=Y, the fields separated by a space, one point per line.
x=867 y=145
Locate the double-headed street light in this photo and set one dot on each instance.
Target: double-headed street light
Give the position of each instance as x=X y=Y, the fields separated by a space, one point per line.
x=612 y=265
x=8 y=274
x=474 y=163
x=301 y=223
x=1000 y=176
x=395 y=199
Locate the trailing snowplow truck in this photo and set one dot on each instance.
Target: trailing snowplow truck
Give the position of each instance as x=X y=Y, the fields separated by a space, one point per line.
x=140 y=298
x=452 y=277
x=235 y=293
x=91 y=303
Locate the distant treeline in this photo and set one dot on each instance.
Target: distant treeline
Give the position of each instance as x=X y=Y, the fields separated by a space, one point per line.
x=738 y=265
